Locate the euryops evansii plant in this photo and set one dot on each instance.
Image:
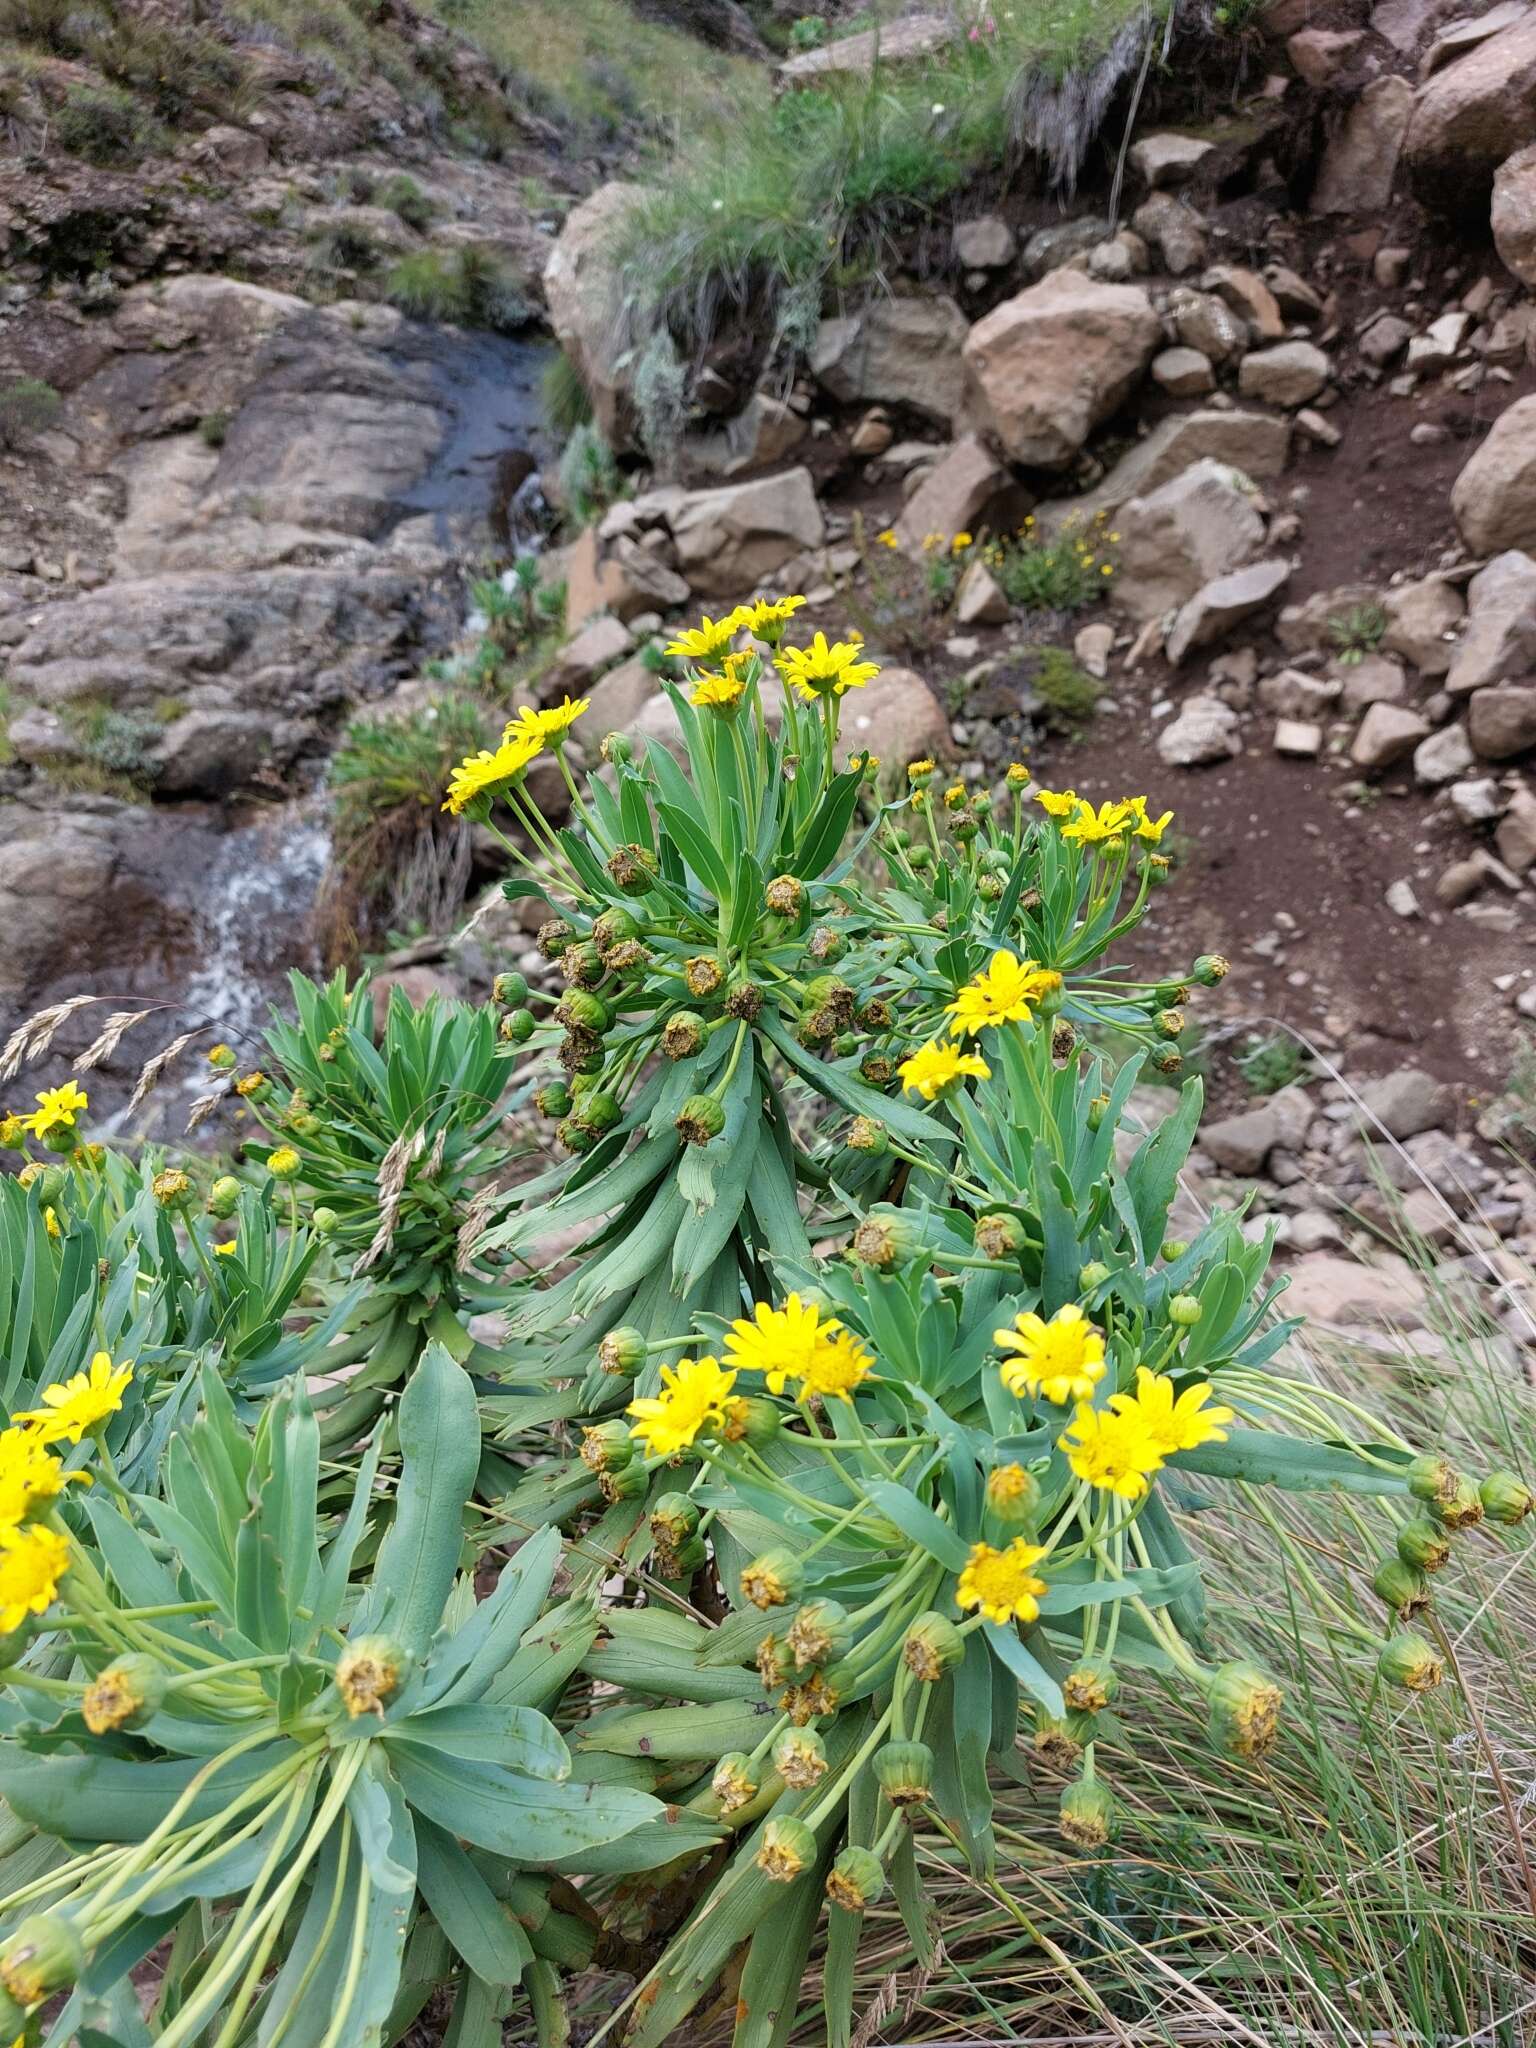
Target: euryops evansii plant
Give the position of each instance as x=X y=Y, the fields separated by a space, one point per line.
x=881 y=1377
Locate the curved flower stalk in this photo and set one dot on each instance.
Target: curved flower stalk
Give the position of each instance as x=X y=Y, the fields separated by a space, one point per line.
x=303 y=1783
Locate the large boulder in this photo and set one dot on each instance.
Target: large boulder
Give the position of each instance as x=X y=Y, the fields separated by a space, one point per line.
x=895 y=351
x=585 y=299
x=1470 y=116
x=731 y=541
x=1501 y=721
x=1360 y=162
x=763 y=433
x=1514 y=214
x=1053 y=362
x=967 y=489
x=912 y=41
x=1193 y=528
x=1499 y=643
x=1494 y=498
x=1423 y=618
x=624 y=565
x=899 y=719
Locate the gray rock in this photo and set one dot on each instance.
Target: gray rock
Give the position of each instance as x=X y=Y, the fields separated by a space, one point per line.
x=211 y=751
x=978 y=601
x=619 y=697
x=1423 y=618
x=1360 y=162
x=595 y=647
x=1472 y=115
x=900 y=720
x=1208 y=324
x=1404 y=1103
x=1436 y=348
x=1257 y=443
x=1443 y=756
x=912 y=41
x=1478 y=801
x=736 y=538
x=766 y=430
x=985 y=244
x=1174 y=229
x=1318 y=53
x=1494 y=498
x=1502 y=720
x=1167 y=159
x=1293 y=693
x=1500 y=638
x=895 y=351
x=1460 y=882
x=1205 y=730
x=1516 y=835
x=583 y=293
x=1050 y=248
x=1388 y=733
x=966 y=488
x=1384 y=340
x=1242 y=1143
x=1298 y=738
x=1193 y=528
x=1288 y=374
x=1373 y=680
x=1223 y=604
x=1183 y=372
x=1400 y=899
x=1513 y=214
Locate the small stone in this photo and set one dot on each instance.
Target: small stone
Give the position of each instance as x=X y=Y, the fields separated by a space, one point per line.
x=873 y=435
x=1436 y=348
x=1423 y=618
x=1319 y=53
x=985 y=244
x=1293 y=736
x=1443 y=756
x=1459 y=883
x=1174 y=229
x=1092 y=646
x=1384 y=340
x=1404 y=1102
x=979 y=601
x=1387 y=733
x=1205 y=730
x=1317 y=429
x=1293 y=295
x=1248 y=296
x=1242 y=1143
x=1400 y=899
x=1183 y=372
x=1516 y=835
x=1502 y=720
x=1286 y=375
x=1478 y=801
x=1293 y=694
x=1220 y=605
x=1166 y=159
x=1390 y=266
x=1373 y=680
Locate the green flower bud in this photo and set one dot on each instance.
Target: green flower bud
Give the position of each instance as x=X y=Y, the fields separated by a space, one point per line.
x=224 y=1196
x=888 y=1238
x=613 y=928
x=788 y=1850
x=304 y=1124
x=323 y=1221
x=607 y=1446
x=253 y=1088
x=682 y=1560
x=579 y=1010
x=735 y=1782
x=826 y=945
x=1098 y=1109
x=820 y=1633
x=877 y=1015
x=630 y=1482
x=1058 y=1740
x=41 y=1956
x=933 y=1645
x=1402 y=1587
x=1167 y=1059
x=699 y=1120
x=1464 y=1509
x=598 y=1111
x=904 y=1772
x=1209 y=969
x=1094 y=1274
x=775 y=1662
x=1089 y=1819
x=517 y=1027
x=574 y=1137
x=773 y=1580
x=616 y=748
x=1432 y=1478
x=800 y=1758
x=283 y=1163
x=744 y=1002
x=1245 y=1704
x=552 y=937
x=674 y=1518
x=582 y=964
x=125 y=1695
x=1505 y=1498
x=878 y=1069
x=510 y=989
x=1411 y=1662
x=553 y=1099
x=369 y=1672
x=223 y=1060
x=989 y=888
x=856 y=1879
x=633 y=868
x=1089 y=1688
x=1423 y=1543
x=703 y=975
x=999 y=1235
x=1185 y=1311
x=866 y=1135
x=683 y=1035
x=1173 y=1248
x=750 y=1419
x=1013 y=1494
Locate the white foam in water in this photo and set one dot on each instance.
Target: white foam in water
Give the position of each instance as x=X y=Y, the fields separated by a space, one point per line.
x=253 y=918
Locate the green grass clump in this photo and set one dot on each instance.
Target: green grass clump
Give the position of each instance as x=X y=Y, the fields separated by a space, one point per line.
x=406 y=200
x=106 y=126
x=28 y=406
x=590 y=478
x=469 y=287
x=1067 y=694
x=563 y=398
x=1058 y=572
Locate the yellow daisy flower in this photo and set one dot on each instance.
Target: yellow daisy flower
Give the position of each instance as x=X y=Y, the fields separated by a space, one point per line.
x=709 y=638
x=1172 y=1421
x=766 y=617
x=1057 y=803
x=29 y=1478
x=488 y=774
x=80 y=1402
x=934 y=1069
x=826 y=669
x=780 y=1343
x=1111 y=1451
x=837 y=1365
x=1150 y=829
x=32 y=1562
x=1062 y=1360
x=1001 y=1583
x=693 y=1394
x=719 y=692
x=551 y=725
x=1001 y=994
x=57 y=1109
x=1090 y=827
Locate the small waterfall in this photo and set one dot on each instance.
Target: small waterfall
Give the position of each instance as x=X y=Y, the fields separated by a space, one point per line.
x=253 y=918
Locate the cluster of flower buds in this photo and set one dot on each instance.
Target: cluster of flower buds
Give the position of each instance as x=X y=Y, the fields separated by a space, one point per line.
x=1401 y=1581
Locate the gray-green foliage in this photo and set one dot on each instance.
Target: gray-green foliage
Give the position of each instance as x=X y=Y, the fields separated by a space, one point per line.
x=28 y=407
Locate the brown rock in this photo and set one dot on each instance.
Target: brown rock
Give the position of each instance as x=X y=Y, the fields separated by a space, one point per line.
x=1499 y=644
x=1501 y=721
x=584 y=296
x=1388 y=733
x=1514 y=214
x=1288 y=374
x=1248 y=295
x=1494 y=497
x=967 y=489
x=1360 y=163
x=1422 y=619
x=730 y=542
x=1048 y=365
x=1175 y=230
x=895 y=351
x=1179 y=537
x=1319 y=53
x=1470 y=116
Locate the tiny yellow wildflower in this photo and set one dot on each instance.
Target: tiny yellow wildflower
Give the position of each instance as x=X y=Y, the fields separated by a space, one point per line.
x=1001 y=1582
x=692 y=1395
x=1111 y=1451
x=57 y=1109
x=934 y=1069
x=1062 y=1360
x=73 y=1406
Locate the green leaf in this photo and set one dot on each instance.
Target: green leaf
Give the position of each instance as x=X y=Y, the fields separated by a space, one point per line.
x=120 y=1799
x=440 y=1445
x=528 y=1819
x=516 y=1738
x=694 y=844
x=1264 y=1458
x=924 y=1527
x=1025 y=1666
x=481 y=1928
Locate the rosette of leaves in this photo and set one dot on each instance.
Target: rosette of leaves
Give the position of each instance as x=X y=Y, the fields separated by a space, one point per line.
x=872 y=1666
x=395 y=1122
x=119 y=1270
x=714 y=1011
x=322 y=1798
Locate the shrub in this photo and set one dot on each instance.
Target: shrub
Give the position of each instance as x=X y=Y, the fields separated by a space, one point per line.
x=213 y=427
x=405 y=198
x=1060 y=572
x=468 y=287
x=564 y=400
x=1357 y=633
x=28 y=407
x=105 y=125
x=1067 y=694
x=590 y=479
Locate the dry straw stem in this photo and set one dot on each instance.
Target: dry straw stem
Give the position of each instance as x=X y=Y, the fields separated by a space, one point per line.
x=29 y=1041
x=110 y=1038
x=394 y=1170
x=154 y=1068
